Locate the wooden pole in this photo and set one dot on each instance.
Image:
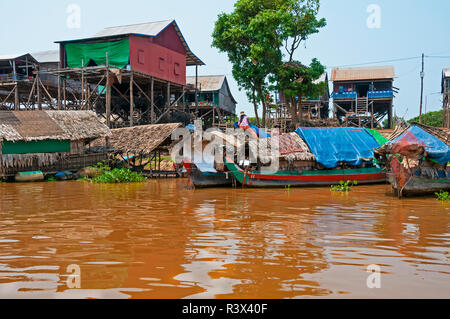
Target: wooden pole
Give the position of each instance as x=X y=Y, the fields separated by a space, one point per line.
x=108 y=94
x=59 y=89
x=152 y=98
x=422 y=75
x=196 y=86
x=38 y=90
x=64 y=104
x=16 y=97
x=168 y=94
x=131 y=100
x=82 y=82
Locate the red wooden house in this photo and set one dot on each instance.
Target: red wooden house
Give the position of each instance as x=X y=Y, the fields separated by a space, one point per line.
x=149 y=61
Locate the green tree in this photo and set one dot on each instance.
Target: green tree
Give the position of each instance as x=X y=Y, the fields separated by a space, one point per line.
x=435 y=119
x=258 y=35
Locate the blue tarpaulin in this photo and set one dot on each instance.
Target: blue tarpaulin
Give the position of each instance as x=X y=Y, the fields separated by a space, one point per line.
x=332 y=146
x=436 y=149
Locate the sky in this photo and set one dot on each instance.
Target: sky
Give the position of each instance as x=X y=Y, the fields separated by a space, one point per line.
x=402 y=29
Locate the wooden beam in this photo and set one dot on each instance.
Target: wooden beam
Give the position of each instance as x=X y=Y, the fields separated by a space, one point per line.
x=108 y=94
x=131 y=100
x=152 y=100
x=16 y=98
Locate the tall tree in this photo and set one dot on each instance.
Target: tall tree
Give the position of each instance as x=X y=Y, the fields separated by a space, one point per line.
x=258 y=35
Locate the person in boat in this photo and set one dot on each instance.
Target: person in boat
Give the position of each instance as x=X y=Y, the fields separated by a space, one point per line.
x=244 y=123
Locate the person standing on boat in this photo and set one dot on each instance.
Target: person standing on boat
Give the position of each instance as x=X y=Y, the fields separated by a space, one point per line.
x=244 y=123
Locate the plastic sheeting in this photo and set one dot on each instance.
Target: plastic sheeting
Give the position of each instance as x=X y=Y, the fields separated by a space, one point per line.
x=332 y=146
x=79 y=53
x=377 y=135
x=436 y=149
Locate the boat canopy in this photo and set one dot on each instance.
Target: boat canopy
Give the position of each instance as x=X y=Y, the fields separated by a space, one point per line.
x=437 y=150
x=333 y=146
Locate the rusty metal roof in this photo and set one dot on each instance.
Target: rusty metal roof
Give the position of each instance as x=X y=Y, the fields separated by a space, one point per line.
x=367 y=73
x=207 y=83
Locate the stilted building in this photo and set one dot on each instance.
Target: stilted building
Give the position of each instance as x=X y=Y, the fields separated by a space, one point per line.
x=362 y=97
x=214 y=99
x=16 y=80
x=315 y=109
x=130 y=75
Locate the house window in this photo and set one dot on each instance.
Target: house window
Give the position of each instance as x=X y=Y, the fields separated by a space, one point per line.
x=176 y=69
x=161 y=64
x=141 y=57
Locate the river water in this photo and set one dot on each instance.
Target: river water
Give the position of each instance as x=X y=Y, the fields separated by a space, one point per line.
x=161 y=239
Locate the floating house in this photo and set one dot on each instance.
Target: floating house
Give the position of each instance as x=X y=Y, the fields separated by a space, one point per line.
x=446 y=96
x=49 y=141
x=213 y=96
x=362 y=97
x=134 y=74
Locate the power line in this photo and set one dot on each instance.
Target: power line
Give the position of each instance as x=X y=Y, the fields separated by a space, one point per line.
x=377 y=62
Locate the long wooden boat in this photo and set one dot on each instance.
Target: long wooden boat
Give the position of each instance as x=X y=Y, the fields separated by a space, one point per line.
x=207 y=179
x=306 y=178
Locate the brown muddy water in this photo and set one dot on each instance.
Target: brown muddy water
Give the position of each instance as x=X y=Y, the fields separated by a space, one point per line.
x=161 y=240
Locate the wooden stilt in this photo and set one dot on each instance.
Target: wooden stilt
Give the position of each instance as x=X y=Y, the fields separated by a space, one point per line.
x=16 y=98
x=131 y=100
x=108 y=94
x=152 y=97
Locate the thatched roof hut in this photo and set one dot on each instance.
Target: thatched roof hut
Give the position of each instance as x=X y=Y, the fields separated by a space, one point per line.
x=30 y=126
x=50 y=141
x=141 y=139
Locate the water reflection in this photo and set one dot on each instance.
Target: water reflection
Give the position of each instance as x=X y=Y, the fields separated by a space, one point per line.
x=161 y=240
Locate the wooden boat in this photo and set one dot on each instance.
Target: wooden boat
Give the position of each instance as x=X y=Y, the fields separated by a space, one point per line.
x=330 y=177
x=417 y=158
x=420 y=186
x=207 y=179
x=408 y=181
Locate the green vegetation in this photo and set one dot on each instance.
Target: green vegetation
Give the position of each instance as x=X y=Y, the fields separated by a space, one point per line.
x=104 y=175
x=122 y=175
x=51 y=179
x=261 y=39
x=343 y=186
x=443 y=196
x=431 y=119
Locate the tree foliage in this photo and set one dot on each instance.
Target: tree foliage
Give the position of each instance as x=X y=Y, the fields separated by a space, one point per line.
x=435 y=119
x=260 y=37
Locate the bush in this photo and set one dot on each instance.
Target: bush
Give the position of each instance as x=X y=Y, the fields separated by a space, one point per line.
x=443 y=196
x=343 y=186
x=122 y=175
